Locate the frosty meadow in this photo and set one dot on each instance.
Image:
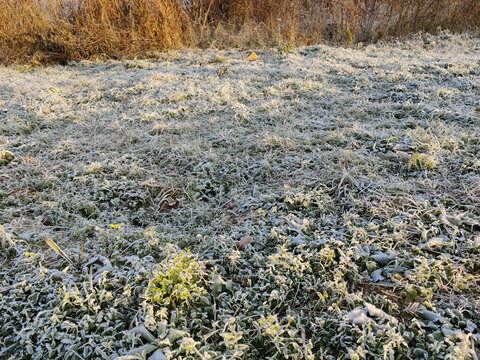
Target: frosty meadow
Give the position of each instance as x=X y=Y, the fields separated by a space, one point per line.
x=316 y=203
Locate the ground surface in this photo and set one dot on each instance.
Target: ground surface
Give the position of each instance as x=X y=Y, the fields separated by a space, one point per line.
x=318 y=203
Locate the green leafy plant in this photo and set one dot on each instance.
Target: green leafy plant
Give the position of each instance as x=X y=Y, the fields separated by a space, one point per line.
x=177 y=281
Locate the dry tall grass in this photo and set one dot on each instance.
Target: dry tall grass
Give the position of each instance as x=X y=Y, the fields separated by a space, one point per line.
x=63 y=30
x=346 y=21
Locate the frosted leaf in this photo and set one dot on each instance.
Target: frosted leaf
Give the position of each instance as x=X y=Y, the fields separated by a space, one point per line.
x=176 y=334
x=142 y=350
x=158 y=355
x=144 y=333
x=377 y=275
x=430 y=315
x=381 y=258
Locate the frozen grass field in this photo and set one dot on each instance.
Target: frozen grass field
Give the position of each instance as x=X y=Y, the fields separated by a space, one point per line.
x=320 y=203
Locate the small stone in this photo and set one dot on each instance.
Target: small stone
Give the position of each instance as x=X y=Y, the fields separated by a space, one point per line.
x=376 y=312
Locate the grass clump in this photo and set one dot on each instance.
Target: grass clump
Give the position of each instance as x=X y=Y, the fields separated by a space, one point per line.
x=93 y=168
x=420 y=161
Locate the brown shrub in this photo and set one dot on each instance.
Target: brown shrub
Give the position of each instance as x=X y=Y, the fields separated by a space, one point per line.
x=63 y=30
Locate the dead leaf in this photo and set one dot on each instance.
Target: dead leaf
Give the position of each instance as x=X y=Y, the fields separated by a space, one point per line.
x=58 y=250
x=252 y=57
x=46 y=111
x=244 y=242
x=167 y=200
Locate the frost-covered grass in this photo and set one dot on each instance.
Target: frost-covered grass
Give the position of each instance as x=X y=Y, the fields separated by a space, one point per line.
x=319 y=203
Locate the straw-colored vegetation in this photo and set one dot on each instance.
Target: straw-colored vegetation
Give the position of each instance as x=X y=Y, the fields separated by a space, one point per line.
x=317 y=203
x=64 y=30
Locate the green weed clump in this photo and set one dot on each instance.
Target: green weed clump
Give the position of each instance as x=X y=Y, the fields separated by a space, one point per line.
x=177 y=281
